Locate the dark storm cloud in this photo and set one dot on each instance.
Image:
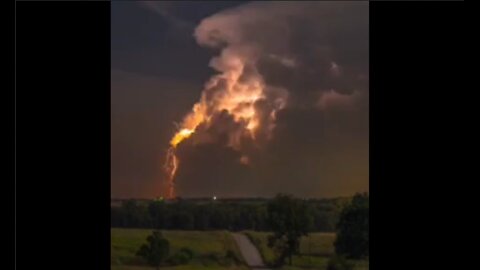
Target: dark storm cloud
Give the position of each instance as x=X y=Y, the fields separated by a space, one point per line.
x=146 y=42
x=313 y=55
x=212 y=169
x=316 y=52
x=164 y=9
x=314 y=152
x=305 y=47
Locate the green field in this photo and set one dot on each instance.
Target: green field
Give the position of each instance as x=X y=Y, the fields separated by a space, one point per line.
x=315 y=251
x=180 y=267
x=209 y=248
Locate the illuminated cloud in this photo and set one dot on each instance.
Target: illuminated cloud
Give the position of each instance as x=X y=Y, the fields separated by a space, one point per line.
x=282 y=66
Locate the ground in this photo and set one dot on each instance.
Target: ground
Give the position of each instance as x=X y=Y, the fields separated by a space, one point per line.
x=250 y=253
x=209 y=249
x=315 y=251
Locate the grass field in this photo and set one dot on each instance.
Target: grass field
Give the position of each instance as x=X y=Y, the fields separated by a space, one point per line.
x=315 y=251
x=180 y=267
x=209 y=249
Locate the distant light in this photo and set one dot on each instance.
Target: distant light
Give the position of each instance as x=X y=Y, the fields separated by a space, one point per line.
x=214 y=198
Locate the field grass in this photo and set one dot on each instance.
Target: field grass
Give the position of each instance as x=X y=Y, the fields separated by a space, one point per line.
x=209 y=248
x=315 y=251
x=313 y=248
x=179 y=267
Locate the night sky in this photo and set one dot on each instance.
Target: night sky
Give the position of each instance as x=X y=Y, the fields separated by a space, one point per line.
x=312 y=55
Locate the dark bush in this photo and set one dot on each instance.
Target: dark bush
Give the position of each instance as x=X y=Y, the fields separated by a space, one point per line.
x=188 y=252
x=339 y=263
x=210 y=259
x=231 y=256
x=156 y=250
x=183 y=256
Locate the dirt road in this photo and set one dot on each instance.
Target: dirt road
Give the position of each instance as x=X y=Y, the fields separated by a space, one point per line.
x=249 y=252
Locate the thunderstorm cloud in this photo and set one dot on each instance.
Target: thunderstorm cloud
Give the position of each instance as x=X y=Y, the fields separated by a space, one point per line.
x=313 y=60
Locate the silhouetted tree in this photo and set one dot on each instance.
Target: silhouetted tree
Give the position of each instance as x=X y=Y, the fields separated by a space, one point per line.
x=156 y=250
x=353 y=230
x=289 y=219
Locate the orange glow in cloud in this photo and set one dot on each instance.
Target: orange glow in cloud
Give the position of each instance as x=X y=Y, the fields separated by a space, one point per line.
x=237 y=98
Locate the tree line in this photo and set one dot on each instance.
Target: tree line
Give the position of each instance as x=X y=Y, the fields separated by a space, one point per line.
x=287 y=218
x=217 y=214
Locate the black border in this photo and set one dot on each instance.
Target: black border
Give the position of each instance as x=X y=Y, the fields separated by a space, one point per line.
x=63 y=135
x=416 y=65
x=8 y=129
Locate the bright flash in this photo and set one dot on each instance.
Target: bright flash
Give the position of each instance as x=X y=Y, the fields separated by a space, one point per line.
x=180 y=136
